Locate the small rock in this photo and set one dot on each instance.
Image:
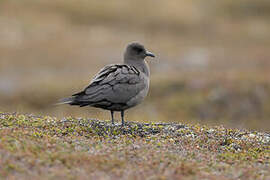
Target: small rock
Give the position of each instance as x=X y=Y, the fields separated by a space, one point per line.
x=252 y=135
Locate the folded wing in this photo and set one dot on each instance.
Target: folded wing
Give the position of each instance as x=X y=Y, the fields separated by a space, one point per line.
x=114 y=84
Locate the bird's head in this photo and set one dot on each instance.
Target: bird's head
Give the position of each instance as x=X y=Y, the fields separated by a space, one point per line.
x=136 y=51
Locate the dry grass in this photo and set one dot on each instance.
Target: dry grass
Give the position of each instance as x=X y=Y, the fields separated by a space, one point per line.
x=45 y=147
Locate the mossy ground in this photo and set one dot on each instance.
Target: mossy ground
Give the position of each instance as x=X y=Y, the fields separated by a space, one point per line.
x=44 y=147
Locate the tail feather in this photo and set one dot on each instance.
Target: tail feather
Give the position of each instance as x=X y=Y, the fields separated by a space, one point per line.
x=68 y=100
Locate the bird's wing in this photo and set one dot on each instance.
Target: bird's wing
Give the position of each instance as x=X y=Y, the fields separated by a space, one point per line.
x=113 y=84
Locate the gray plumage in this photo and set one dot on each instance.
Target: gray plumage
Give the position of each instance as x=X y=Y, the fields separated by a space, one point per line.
x=117 y=87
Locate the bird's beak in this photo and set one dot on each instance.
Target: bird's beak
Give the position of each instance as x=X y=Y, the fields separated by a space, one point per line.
x=148 y=53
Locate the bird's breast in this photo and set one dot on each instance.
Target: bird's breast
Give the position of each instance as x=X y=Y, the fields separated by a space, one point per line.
x=141 y=94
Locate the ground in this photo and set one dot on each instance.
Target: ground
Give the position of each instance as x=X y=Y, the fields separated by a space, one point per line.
x=45 y=147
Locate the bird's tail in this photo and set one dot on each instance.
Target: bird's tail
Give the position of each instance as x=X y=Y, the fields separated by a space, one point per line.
x=68 y=100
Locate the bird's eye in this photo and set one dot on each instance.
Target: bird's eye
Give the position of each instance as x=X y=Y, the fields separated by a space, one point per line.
x=138 y=50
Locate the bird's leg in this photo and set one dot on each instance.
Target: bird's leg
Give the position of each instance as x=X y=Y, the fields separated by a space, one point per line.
x=122 y=116
x=112 y=117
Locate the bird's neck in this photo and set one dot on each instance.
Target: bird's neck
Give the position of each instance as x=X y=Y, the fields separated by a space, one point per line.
x=139 y=64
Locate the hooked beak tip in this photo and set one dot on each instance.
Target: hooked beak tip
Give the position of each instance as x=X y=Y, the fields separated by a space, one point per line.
x=148 y=53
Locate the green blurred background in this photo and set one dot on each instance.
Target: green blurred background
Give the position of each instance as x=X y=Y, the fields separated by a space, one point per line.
x=212 y=65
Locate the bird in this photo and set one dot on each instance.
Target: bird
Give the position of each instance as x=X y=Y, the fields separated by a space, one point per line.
x=117 y=87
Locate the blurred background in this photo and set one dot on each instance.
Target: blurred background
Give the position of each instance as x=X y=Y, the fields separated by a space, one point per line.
x=212 y=65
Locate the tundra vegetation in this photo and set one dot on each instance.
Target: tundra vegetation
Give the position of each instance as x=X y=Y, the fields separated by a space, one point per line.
x=45 y=147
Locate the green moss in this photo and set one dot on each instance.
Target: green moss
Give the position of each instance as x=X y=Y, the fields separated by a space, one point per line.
x=76 y=145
